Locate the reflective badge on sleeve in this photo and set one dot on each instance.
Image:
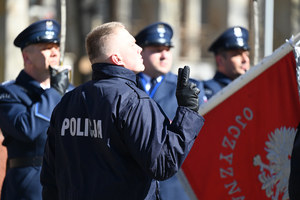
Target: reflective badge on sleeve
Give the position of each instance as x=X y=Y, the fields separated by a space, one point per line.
x=5 y=96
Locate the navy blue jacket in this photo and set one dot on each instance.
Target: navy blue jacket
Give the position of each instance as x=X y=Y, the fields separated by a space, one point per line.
x=108 y=140
x=24 y=119
x=164 y=95
x=216 y=84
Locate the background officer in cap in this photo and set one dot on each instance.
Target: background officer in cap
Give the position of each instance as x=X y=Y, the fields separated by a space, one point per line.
x=160 y=84
x=26 y=105
x=157 y=79
x=231 y=51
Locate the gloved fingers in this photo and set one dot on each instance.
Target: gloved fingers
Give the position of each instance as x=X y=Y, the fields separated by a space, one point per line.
x=53 y=71
x=197 y=91
x=58 y=69
x=179 y=78
x=185 y=75
x=59 y=78
x=194 y=88
x=65 y=71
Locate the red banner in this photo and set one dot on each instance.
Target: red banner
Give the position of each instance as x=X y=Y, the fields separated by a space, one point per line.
x=3 y=158
x=243 y=150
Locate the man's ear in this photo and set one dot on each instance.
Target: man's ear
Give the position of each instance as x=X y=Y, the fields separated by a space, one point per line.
x=116 y=59
x=220 y=60
x=26 y=58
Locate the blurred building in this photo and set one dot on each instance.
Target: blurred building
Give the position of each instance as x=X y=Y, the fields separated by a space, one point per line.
x=196 y=24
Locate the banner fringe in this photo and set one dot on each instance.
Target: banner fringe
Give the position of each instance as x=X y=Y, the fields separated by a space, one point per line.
x=295 y=45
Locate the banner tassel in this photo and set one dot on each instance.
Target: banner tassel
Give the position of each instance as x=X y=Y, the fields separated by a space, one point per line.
x=297 y=57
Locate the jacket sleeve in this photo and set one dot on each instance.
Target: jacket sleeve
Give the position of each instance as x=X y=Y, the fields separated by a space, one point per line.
x=158 y=146
x=22 y=118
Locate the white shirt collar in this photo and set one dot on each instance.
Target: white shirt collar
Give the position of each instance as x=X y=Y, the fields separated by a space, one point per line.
x=45 y=86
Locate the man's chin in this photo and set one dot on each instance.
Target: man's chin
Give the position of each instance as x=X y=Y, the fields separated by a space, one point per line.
x=139 y=70
x=245 y=71
x=54 y=64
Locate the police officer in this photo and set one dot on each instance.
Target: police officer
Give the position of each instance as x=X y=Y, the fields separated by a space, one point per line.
x=26 y=105
x=160 y=84
x=108 y=139
x=231 y=51
x=157 y=79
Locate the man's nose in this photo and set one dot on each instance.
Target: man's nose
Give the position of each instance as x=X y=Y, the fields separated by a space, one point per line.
x=54 y=51
x=245 y=56
x=164 y=53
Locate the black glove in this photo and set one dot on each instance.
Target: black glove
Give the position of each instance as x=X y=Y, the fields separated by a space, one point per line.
x=59 y=80
x=187 y=93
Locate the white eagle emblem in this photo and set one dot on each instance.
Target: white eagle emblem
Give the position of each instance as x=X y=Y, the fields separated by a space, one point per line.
x=161 y=30
x=49 y=25
x=279 y=148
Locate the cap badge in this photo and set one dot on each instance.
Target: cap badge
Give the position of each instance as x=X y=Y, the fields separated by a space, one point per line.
x=49 y=25
x=237 y=32
x=240 y=41
x=161 y=30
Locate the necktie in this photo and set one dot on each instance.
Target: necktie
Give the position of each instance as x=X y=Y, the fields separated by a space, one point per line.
x=152 y=83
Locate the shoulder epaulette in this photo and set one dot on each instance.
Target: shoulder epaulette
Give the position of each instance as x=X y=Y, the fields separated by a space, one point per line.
x=9 y=82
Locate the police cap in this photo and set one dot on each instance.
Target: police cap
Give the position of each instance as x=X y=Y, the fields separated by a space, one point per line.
x=44 y=31
x=233 y=38
x=158 y=33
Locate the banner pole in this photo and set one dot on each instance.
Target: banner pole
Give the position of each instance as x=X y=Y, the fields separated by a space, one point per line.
x=269 y=15
x=256 y=32
x=63 y=31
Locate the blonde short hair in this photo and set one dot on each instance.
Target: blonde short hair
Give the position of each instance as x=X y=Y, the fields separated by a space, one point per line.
x=96 y=42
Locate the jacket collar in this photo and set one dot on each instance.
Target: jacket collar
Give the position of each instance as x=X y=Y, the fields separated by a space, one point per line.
x=221 y=78
x=28 y=83
x=105 y=71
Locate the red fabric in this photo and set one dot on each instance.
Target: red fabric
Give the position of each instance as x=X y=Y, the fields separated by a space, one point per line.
x=3 y=158
x=268 y=102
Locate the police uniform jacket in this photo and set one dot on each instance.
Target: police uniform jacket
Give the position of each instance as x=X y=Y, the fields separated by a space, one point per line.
x=108 y=140
x=164 y=93
x=24 y=118
x=216 y=84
